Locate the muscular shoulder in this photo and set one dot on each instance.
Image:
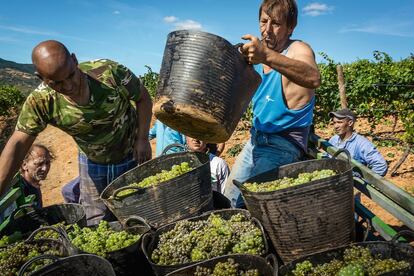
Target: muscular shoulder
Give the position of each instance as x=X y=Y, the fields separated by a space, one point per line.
x=298 y=48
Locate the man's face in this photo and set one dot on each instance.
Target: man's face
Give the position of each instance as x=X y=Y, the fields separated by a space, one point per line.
x=37 y=165
x=66 y=80
x=343 y=125
x=274 y=30
x=196 y=145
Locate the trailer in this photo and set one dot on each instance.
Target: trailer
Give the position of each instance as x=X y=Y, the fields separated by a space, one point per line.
x=386 y=194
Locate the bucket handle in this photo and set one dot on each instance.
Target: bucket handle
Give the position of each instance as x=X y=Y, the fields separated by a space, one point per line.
x=138 y=219
x=37 y=258
x=147 y=240
x=272 y=261
x=348 y=155
x=260 y=226
x=402 y=233
x=23 y=208
x=61 y=234
x=238 y=46
x=174 y=145
x=117 y=191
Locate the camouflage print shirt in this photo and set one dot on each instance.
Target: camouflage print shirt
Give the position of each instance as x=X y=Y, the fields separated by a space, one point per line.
x=104 y=129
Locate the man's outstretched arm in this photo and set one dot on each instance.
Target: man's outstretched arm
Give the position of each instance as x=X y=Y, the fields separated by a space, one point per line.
x=12 y=157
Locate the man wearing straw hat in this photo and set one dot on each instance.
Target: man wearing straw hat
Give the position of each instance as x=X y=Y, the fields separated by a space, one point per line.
x=283 y=104
x=92 y=102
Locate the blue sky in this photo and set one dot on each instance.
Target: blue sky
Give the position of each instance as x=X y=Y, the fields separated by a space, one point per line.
x=134 y=32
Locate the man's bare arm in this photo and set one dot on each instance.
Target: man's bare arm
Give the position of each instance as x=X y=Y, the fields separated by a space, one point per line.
x=142 y=148
x=299 y=66
x=12 y=157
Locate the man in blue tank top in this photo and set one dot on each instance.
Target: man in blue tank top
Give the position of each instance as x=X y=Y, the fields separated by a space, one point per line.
x=283 y=103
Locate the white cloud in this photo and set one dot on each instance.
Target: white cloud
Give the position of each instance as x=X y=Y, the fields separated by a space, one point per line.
x=8 y=39
x=316 y=9
x=170 y=19
x=188 y=25
x=116 y=12
x=178 y=24
x=26 y=30
x=31 y=31
x=402 y=29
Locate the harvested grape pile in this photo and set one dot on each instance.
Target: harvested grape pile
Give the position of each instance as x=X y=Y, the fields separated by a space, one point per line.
x=45 y=234
x=6 y=240
x=191 y=241
x=100 y=240
x=164 y=175
x=50 y=234
x=227 y=268
x=286 y=182
x=14 y=256
x=357 y=260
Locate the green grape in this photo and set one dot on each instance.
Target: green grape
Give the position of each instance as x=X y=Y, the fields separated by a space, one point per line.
x=199 y=240
x=226 y=268
x=50 y=234
x=15 y=255
x=6 y=240
x=352 y=270
x=356 y=260
x=286 y=182
x=102 y=240
x=164 y=175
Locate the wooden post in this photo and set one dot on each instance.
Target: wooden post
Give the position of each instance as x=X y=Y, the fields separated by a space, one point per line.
x=341 y=86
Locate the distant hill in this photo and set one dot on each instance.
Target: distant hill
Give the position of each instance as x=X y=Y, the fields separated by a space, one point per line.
x=18 y=74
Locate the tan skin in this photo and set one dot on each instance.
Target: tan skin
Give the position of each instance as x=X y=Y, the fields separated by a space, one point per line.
x=344 y=127
x=196 y=145
x=59 y=70
x=300 y=74
x=36 y=166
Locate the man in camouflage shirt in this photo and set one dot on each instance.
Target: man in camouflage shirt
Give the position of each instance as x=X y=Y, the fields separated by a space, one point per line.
x=94 y=103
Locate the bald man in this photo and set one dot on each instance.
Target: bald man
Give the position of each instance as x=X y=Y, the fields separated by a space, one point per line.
x=92 y=102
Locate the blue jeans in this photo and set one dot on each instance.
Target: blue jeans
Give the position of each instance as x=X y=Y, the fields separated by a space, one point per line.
x=263 y=152
x=93 y=180
x=71 y=191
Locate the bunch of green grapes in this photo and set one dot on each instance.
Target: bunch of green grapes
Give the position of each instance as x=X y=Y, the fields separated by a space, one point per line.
x=101 y=240
x=286 y=182
x=6 y=240
x=164 y=175
x=227 y=268
x=14 y=256
x=357 y=260
x=50 y=234
x=191 y=241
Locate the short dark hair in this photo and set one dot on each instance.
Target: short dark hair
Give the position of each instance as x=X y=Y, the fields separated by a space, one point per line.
x=288 y=8
x=29 y=153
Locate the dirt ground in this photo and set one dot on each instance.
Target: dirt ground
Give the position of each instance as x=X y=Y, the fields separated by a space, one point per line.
x=65 y=165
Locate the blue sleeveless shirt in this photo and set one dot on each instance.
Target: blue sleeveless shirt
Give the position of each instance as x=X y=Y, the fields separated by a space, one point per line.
x=271 y=114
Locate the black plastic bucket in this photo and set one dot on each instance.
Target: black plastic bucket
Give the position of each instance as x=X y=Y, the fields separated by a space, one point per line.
x=128 y=260
x=69 y=213
x=184 y=196
x=83 y=264
x=150 y=240
x=391 y=249
x=265 y=266
x=60 y=245
x=205 y=85
x=307 y=218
